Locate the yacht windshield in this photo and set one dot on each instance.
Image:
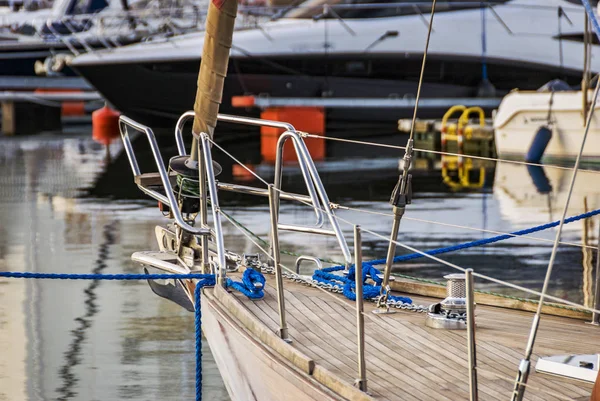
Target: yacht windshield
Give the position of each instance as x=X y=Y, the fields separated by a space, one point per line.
x=349 y=9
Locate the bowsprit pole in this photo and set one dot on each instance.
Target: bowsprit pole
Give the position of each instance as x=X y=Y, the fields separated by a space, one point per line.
x=218 y=36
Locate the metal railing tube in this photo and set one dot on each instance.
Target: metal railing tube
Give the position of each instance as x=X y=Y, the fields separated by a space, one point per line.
x=361 y=382
x=302 y=162
x=164 y=176
x=316 y=261
x=595 y=315
x=304 y=154
x=278 y=167
x=221 y=272
x=203 y=211
x=308 y=230
x=471 y=346
x=273 y=209
x=243 y=189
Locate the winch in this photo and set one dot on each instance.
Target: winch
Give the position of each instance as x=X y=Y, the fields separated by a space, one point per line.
x=451 y=313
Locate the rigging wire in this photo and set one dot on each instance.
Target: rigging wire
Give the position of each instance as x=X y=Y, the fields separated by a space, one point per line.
x=349 y=208
x=523 y=371
x=449 y=264
x=429 y=29
x=494 y=159
x=349 y=305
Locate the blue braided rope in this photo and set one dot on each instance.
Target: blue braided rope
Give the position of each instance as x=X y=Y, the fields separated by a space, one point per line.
x=326 y=275
x=72 y=276
x=198 y=326
x=246 y=287
x=348 y=286
x=487 y=241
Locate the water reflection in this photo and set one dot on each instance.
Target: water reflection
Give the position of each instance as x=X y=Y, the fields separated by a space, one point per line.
x=63 y=208
x=83 y=340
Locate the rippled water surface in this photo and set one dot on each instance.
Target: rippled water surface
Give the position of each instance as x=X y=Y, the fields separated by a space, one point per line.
x=82 y=340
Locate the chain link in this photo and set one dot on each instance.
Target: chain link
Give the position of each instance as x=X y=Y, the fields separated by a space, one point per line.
x=337 y=289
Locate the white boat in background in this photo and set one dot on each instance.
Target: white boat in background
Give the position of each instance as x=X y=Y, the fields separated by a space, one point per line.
x=522 y=113
x=533 y=195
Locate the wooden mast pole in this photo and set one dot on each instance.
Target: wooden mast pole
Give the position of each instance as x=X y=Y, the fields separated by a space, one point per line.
x=213 y=68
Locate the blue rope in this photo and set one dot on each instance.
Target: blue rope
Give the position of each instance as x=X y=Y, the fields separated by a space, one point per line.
x=590 y=12
x=491 y=240
x=71 y=276
x=246 y=287
x=347 y=284
x=198 y=325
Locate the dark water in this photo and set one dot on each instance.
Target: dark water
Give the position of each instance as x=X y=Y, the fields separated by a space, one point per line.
x=65 y=208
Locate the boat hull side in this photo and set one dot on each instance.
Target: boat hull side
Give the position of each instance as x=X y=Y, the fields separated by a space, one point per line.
x=514 y=136
x=249 y=369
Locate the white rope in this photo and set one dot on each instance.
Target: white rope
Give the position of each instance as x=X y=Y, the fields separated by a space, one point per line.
x=422 y=73
x=337 y=206
x=382 y=145
x=495 y=280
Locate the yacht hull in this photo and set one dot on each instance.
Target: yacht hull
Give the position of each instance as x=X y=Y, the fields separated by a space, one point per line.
x=521 y=114
x=157 y=95
x=249 y=369
x=157 y=92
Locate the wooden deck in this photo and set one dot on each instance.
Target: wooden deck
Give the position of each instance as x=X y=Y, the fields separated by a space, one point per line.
x=408 y=361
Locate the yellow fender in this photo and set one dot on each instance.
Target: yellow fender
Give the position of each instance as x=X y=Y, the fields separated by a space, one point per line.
x=451 y=163
x=463 y=173
x=463 y=167
x=449 y=130
x=464 y=120
x=452 y=110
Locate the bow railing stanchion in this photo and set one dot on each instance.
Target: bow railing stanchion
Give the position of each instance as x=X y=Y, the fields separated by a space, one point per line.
x=361 y=382
x=221 y=271
x=471 y=344
x=169 y=197
x=595 y=316
x=274 y=211
x=203 y=209
x=313 y=181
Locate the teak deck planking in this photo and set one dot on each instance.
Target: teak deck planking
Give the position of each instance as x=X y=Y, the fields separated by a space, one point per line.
x=408 y=361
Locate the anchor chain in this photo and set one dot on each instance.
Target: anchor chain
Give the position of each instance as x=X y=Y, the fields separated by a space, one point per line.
x=336 y=289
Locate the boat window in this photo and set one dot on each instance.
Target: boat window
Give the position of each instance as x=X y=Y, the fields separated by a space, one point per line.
x=350 y=9
x=79 y=7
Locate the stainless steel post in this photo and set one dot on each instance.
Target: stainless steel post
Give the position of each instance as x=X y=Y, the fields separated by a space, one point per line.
x=389 y=260
x=361 y=382
x=221 y=272
x=595 y=315
x=203 y=200
x=471 y=346
x=274 y=210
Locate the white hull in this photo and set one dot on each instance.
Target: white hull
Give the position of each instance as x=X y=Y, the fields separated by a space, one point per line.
x=521 y=114
x=250 y=369
x=521 y=202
